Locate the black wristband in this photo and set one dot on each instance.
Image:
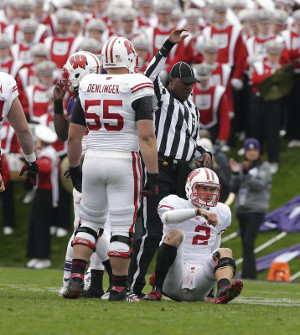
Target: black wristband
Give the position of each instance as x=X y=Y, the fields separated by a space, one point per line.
x=166 y=48
x=153 y=178
x=58 y=107
x=75 y=172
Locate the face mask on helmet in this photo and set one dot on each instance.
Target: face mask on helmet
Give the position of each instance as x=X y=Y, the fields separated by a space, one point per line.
x=77 y=66
x=203 y=188
x=119 y=52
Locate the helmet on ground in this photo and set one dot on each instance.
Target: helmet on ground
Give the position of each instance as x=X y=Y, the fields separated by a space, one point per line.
x=78 y=65
x=119 y=52
x=203 y=177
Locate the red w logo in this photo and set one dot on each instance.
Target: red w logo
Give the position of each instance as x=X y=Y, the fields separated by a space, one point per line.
x=129 y=47
x=78 y=61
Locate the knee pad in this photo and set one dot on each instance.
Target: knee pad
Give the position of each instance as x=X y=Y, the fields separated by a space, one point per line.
x=86 y=236
x=225 y=262
x=121 y=246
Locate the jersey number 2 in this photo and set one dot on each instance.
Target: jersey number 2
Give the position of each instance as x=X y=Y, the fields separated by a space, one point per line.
x=94 y=122
x=201 y=239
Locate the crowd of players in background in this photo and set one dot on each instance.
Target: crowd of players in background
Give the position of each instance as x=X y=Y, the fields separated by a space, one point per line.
x=228 y=40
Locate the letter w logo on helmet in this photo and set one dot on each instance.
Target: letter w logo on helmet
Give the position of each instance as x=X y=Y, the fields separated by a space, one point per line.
x=78 y=61
x=129 y=47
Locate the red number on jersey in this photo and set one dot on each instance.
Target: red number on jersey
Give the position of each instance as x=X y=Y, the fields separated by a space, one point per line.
x=201 y=239
x=93 y=119
x=95 y=123
x=115 y=116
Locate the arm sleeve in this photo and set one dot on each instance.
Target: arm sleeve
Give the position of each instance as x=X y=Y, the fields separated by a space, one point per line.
x=78 y=116
x=143 y=108
x=178 y=215
x=157 y=63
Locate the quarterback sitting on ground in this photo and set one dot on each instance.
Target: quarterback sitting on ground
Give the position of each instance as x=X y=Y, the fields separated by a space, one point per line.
x=189 y=261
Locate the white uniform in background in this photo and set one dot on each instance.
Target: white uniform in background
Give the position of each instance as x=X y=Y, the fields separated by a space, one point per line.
x=191 y=276
x=8 y=93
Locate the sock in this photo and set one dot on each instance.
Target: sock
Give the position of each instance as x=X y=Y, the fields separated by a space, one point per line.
x=224 y=282
x=165 y=258
x=118 y=284
x=78 y=268
x=97 y=279
x=108 y=269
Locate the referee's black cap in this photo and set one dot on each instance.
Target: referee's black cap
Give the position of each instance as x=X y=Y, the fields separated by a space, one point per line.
x=184 y=72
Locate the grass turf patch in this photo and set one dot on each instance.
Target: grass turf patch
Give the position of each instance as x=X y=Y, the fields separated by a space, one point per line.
x=30 y=305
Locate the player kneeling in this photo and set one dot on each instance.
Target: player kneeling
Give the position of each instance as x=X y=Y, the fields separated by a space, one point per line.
x=189 y=261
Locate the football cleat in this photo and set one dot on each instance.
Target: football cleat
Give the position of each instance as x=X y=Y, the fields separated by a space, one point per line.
x=124 y=295
x=153 y=296
x=229 y=293
x=74 y=289
x=92 y=293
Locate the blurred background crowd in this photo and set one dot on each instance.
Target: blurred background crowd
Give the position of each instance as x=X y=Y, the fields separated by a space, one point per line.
x=245 y=54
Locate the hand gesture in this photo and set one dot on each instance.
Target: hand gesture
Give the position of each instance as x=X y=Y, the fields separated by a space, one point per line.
x=234 y=165
x=210 y=217
x=58 y=91
x=176 y=35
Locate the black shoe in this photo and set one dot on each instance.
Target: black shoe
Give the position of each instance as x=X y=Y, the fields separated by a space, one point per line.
x=140 y=295
x=124 y=295
x=153 y=296
x=92 y=293
x=74 y=289
x=229 y=293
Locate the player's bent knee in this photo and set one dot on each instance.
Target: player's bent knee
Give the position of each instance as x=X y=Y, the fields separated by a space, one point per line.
x=225 y=252
x=86 y=236
x=174 y=237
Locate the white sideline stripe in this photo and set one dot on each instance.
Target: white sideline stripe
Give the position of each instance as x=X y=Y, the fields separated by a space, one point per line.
x=296 y=275
x=29 y=288
x=229 y=237
x=267 y=301
x=265 y=245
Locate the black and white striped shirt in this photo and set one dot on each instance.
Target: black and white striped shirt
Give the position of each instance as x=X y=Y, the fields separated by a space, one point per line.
x=176 y=123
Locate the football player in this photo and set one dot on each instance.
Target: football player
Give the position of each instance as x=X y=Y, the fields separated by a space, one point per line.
x=79 y=65
x=11 y=108
x=189 y=261
x=117 y=110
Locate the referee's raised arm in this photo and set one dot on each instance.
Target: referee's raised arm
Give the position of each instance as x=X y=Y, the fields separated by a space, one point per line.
x=157 y=63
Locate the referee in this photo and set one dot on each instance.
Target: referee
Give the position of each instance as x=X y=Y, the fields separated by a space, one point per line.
x=177 y=126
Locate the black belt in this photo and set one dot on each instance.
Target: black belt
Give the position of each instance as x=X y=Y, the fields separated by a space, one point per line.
x=167 y=160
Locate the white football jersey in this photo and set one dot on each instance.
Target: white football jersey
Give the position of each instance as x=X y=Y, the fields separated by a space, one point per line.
x=8 y=92
x=106 y=101
x=199 y=236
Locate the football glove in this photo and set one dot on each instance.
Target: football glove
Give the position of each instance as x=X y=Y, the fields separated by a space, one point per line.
x=76 y=176
x=31 y=170
x=151 y=186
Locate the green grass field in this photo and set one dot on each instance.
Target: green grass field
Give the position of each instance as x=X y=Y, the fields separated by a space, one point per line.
x=30 y=305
